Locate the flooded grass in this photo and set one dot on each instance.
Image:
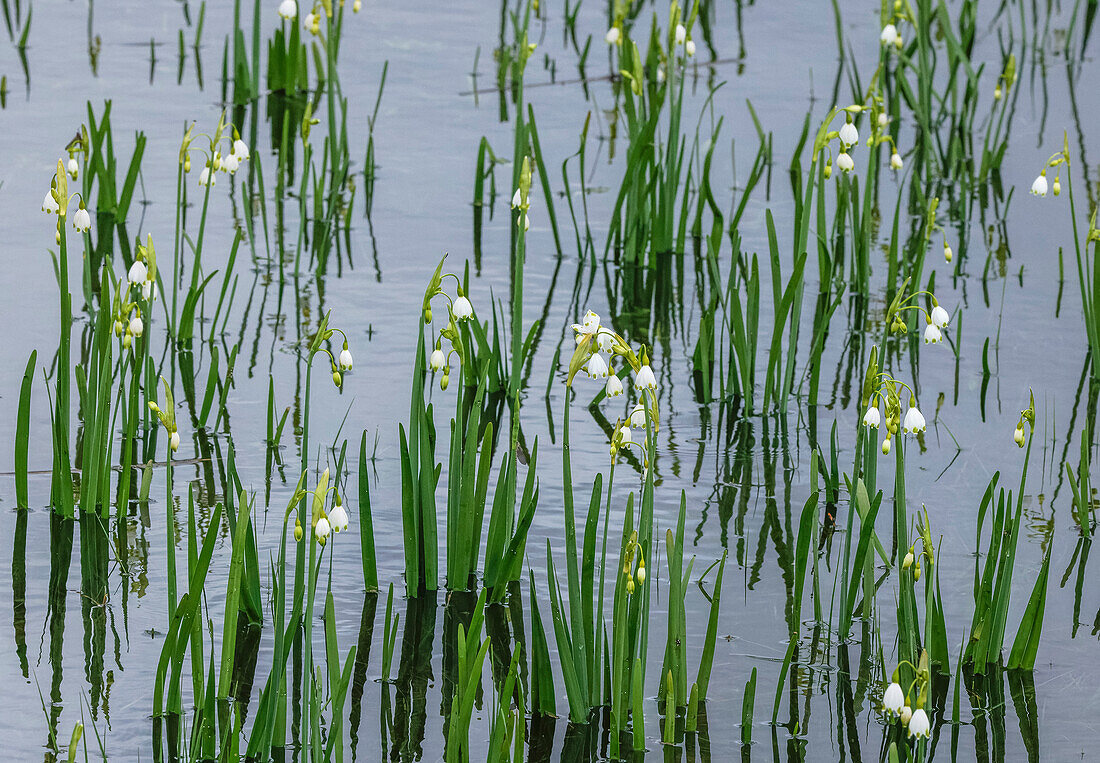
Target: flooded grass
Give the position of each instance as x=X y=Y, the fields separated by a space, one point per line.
x=635 y=477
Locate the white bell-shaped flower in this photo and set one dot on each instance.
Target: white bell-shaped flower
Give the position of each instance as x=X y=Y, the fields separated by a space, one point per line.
x=918 y=724
x=137 y=273
x=288 y=9
x=72 y=167
x=645 y=379
x=612 y=36
x=889 y=35
x=231 y=163
x=689 y=47
x=240 y=150
x=322 y=530
x=893 y=699
x=895 y=161
x=345 y=359
x=82 y=221
x=49 y=203
x=463 y=309
x=913 y=421
x=844 y=162
x=437 y=360
x=637 y=417
x=338 y=519
x=589 y=325
x=597 y=366
x=932 y=334
x=681 y=34
x=605 y=341
x=137 y=328
x=517 y=199
x=940 y=317
x=624 y=434
x=1039 y=187
x=849 y=135
x=174 y=441
x=872 y=418
x=206 y=177
x=614 y=386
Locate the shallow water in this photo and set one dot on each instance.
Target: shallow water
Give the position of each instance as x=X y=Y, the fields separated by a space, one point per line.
x=97 y=660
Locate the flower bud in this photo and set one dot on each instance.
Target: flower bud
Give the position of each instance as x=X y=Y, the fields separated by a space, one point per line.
x=906 y=714
x=908 y=561
x=641 y=572
x=629 y=586
x=886 y=447
x=444 y=381
x=336 y=379
x=174 y=441
x=297 y=530
x=1056 y=187
x=947 y=254
x=1018 y=435
x=916 y=570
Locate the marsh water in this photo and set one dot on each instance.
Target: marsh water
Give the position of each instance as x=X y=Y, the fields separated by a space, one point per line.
x=1017 y=324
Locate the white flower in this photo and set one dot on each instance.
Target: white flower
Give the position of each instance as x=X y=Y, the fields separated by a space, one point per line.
x=882 y=119
x=932 y=334
x=872 y=418
x=309 y=20
x=689 y=47
x=612 y=36
x=849 y=135
x=614 y=386
x=604 y=341
x=637 y=417
x=597 y=366
x=345 y=360
x=231 y=163
x=82 y=221
x=288 y=9
x=240 y=150
x=590 y=325
x=645 y=379
x=207 y=178
x=72 y=167
x=138 y=272
x=437 y=360
x=906 y=714
x=338 y=518
x=681 y=34
x=895 y=161
x=913 y=422
x=174 y=441
x=940 y=317
x=146 y=289
x=463 y=309
x=893 y=699
x=322 y=529
x=137 y=328
x=889 y=35
x=517 y=199
x=845 y=162
x=624 y=434
x=526 y=222
x=49 y=203
x=1039 y=187
x=918 y=724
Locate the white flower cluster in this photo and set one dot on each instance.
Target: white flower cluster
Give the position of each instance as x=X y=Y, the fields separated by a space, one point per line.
x=594 y=341
x=882 y=389
x=895 y=705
